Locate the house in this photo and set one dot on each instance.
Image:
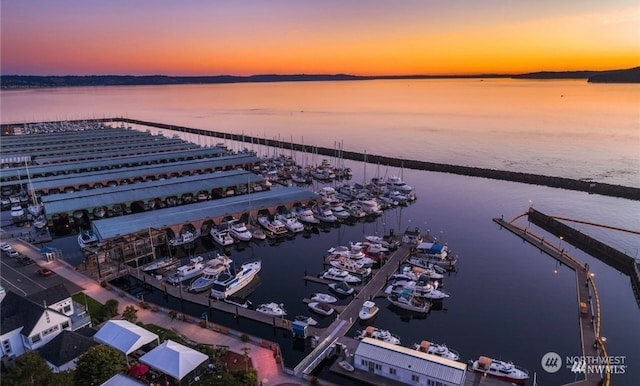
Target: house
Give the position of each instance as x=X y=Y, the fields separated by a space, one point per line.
x=408 y=366
x=30 y=323
x=62 y=352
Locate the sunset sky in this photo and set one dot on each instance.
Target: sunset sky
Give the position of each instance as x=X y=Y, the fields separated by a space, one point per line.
x=210 y=37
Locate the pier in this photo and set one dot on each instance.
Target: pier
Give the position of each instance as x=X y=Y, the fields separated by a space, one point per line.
x=587 y=297
x=349 y=315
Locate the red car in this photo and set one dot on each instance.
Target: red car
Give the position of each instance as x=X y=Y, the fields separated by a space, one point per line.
x=45 y=272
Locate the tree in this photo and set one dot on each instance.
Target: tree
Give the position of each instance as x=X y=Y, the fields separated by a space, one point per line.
x=98 y=364
x=109 y=309
x=130 y=314
x=28 y=369
x=65 y=378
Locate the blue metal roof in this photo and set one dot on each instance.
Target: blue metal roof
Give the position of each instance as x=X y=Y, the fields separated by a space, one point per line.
x=119 y=226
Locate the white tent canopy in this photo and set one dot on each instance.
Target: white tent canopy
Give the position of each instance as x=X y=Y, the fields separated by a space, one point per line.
x=124 y=336
x=174 y=359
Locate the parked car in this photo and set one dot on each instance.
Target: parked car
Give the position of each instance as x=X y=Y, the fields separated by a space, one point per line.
x=24 y=260
x=45 y=272
x=13 y=253
x=5 y=247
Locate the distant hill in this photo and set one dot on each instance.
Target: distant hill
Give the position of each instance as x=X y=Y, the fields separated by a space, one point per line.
x=631 y=75
x=32 y=81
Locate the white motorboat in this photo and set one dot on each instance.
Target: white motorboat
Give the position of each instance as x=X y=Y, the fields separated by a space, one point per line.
x=40 y=222
x=355 y=210
x=327 y=194
x=422 y=289
x=323 y=298
x=213 y=268
x=370 y=207
x=239 y=231
x=351 y=266
x=272 y=309
x=290 y=222
x=437 y=349
x=377 y=333
x=273 y=228
x=396 y=182
x=230 y=282
x=505 y=371
x=160 y=264
x=185 y=237
x=340 y=275
x=256 y=233
x=411 y=273
x=435 y=253
x=339 y=211
x=346 y=366
x=353 y=251
x=87 y=238
x=321 y=308
x=341 y=288
x=369 y=310
x=187 y=271
x=305 y=215
x=307 y=319
x=408 y=302
x=324 y=214
x=221 y=236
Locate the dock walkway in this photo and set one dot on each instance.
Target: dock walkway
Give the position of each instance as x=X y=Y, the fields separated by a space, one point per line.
x=589 y=322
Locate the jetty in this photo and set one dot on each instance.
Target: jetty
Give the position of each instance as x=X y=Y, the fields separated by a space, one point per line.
x=592 y=342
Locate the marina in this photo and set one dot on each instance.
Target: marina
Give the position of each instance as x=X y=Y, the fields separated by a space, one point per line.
x=146 y=227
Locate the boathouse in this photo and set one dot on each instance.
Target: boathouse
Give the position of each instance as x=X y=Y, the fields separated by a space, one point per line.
x=408 y=366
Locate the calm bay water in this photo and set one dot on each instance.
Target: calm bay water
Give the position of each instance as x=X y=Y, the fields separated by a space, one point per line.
x=506 y=301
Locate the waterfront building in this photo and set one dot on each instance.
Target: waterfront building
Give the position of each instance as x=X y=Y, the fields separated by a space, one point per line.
x=406 y=365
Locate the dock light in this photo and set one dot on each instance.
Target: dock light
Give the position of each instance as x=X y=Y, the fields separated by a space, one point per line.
x=592 y=274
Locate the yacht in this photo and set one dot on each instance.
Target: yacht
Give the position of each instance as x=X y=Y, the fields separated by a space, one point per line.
x=370 y=207
x=437 y=349
x=408 y=302
x=328 y=194
x=435 y=253
x=323 y=298
x=185 y=237
x=411 y=273
x=221 y=236
x=505 y=371
x=376 y=333
x=321 y=308
x=351 y=266
x=422 y=288
x=341 y=288
x=273 y=228
x=272 y=309
x=213 y=268
x=355 y=210
x=188 y=271
x=87 y=238
x=412 y=236
x=305 y=215
x=324 y=214
x=339 y=211
x=340 y=275
x=396 y=183
x=229 y=283
x=290 y=222
x=239 y=231
x=368 y=310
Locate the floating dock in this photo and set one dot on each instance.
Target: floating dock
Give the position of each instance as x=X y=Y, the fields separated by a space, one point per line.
x=587 y=297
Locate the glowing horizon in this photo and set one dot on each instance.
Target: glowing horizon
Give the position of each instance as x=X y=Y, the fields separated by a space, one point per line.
x=205 y=38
